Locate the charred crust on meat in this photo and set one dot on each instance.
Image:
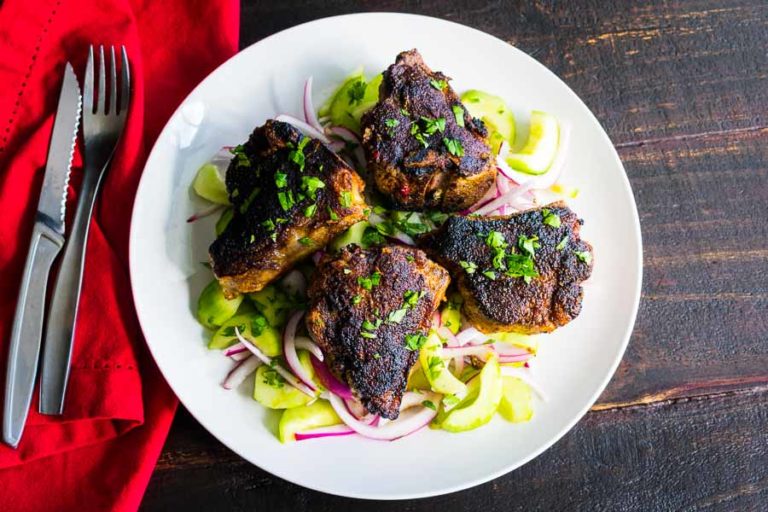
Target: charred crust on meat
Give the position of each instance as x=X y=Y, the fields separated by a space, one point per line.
x=264 y=238
x=505 y=303
x=377 y=366
x=416 y=170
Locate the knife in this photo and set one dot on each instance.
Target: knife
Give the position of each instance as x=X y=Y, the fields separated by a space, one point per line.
x=47 y=241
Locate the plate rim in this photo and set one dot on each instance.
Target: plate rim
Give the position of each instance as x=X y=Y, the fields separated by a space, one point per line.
x=636 y=229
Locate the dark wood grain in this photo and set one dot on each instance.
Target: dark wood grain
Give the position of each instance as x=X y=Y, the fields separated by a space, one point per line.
x=682 y=89
x=670 y=456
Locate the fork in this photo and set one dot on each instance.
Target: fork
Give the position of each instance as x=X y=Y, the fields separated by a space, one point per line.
x=103 y=122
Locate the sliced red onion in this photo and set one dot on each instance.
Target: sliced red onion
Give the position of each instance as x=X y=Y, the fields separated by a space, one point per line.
x=239 y=356
x=317 y=256
x=237 y=348
x=289 y=350
x=402 y=237
x=525 y=376
x=316 y=433
x=304 y=127
x=295 y=284
x=309 y=107
x=470 y=335
x=489 y=196
x=329 y=381
x=503 y=199
x=505 y=349
x=437 y=319
x=344 y=134
x=304 y=343
x=515 y=359
x=502 y=184
x=288 y=376
x=356 y=409
x=205 y=213
x=458 y=365
x=450 y=338
x=411 y=420
x=336 y=145
x=240 y=372
x=468 y=350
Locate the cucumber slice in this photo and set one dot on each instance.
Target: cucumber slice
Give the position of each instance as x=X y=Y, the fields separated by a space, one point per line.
x=272 y=303
x=436 y=369
x=213 y=309
x=494 y=112
x=481 y=409
x=272 y=391
x=529 y=341
x=352 y=100
x=540 y=149
x=224 y=220
x=417 y=380
x=254 y=328
x=354 y=235
x=450 y=315
x=210 y=185
x=516 y=400
x=298 y=419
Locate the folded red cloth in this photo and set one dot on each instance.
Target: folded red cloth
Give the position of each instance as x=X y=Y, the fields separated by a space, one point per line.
x=100 y=454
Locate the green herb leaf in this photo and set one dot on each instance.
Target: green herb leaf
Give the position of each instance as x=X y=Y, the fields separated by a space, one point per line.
x=310 y=185
x=310 y=210
x=415 y=341
x=356 y=299
x=584 y=256
x=490 y=274
x=396 y=316
x=429 y=405
x=391 y=123
x=551 y=219
x=433 y=125
x=240 y=156
x=377 y=356
x=438 y=84
x=369 y=335
x=356 y=92
x=281 y=179
x=297 y=155
x=286 y=200
x=468 y=266
x=458 y=113
x=345 y=198
x=248 y=200
x=454 y=146
x=305 y=240
x=561 y=245
x=528 y=245
x=332 y=214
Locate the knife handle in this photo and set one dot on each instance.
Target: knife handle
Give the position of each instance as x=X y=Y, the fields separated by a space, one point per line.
x=26 y=334
x=62 y=313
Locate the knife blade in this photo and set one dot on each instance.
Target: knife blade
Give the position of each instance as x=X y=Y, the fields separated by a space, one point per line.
x=47 y=240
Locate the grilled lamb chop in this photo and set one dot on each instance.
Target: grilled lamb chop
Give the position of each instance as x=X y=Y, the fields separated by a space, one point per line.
x=503 y=288
x=366 y=305
x=424 y=149
x=291 y=196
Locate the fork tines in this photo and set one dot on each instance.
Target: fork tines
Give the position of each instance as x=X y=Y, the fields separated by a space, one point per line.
x=95 y=101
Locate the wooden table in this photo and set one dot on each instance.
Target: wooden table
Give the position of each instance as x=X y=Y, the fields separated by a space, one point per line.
x=682 y=89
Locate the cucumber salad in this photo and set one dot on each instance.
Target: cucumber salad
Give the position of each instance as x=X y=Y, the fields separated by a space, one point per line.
x=463 y=374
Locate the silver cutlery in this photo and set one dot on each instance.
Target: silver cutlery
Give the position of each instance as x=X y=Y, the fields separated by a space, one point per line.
x=47 y=241
x=103 y=122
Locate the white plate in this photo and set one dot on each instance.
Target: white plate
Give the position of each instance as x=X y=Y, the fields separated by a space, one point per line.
x=575 y=363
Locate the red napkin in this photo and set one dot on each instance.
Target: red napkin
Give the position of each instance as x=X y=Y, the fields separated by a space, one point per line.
x=100 y=454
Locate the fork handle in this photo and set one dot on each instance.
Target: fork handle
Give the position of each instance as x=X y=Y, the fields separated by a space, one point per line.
x=62 y=313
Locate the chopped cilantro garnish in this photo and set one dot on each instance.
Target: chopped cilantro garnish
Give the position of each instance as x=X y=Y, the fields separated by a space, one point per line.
x=273 y=379
x=369 y=335
x=454 y=146
x=490 y=274
x=371 y=236
x=550 y=218
x=391 y=123
x=435 y=365
x=468 y=266
x=584 y=256
x=495 y=240
x=281 y=179
x=332 y=214
x=410 y=258
x=305 y=240
x=405 y=112
x=521 y=265
x=528 y=245
x=297 y=155
x=438 y=84
x=310 y=210
x=396 y=316
x=286 y=200
x=433 y=125
x=429 y=405
x=458 y=113
x=345 y=198
x=253 y=238
x=248 y=200
x=367 y=283
x=377 y=356
x=356 y=92
x=411 y=298
x=310 y=185
x=240 y=156
x=368 y=325
x=416 y=132
x=356 y=299
x=415 y=341
x=347 y=271
x=561 y=245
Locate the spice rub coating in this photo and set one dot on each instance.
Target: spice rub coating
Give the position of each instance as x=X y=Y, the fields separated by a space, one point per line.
x=364 y=306
x=291 y=195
